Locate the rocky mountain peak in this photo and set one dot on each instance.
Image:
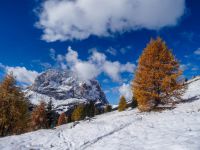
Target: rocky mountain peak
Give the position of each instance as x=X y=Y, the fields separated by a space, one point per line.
x=64 y=85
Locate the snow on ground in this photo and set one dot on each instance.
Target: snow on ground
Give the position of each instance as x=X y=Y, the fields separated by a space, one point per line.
x=59 y=105
x=193 y=91
x=177 y=129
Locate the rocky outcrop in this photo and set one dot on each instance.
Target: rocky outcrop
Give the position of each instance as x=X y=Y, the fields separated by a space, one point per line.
x=64 y=87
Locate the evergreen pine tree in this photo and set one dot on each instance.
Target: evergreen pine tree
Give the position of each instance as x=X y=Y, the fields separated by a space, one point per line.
x=14 y=114
x=122 y=104
x=39 y=117
x=108 y=108
x=157 y=76
x=90 y=109
x=134 y=102
x=51 y=115
x=97 y=111
x=62 y=119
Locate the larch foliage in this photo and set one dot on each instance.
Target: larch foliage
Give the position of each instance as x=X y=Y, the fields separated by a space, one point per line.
x=78 y=113
x=122 y=104
x=62 y=119
x=157 y=78
x=14 y=114
x=39 y=117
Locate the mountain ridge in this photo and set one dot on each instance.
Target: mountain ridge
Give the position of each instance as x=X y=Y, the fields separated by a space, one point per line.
x=64 y=88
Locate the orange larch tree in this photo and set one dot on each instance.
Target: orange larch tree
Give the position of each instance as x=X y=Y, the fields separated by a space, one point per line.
x=122 y=104
x=62 y=119
x=157 y=78
x=14 y=113
x=39 y=117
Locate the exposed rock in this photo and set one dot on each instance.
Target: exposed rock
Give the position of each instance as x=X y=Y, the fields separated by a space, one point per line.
x=64 y=88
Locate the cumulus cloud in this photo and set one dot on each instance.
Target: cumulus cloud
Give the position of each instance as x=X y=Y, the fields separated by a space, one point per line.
x=97 y=57
x=125 y=90
x=86 y=70
x=197 y=52
x=112 y=69
x=78 y=19
x=52 y=54
x=71 y=56
x=96 y=64
x=22 y=75
x=128 y=67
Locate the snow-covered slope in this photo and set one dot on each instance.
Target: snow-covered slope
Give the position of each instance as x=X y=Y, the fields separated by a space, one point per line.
x=177 y=129
x=193 y=91
x=64 y=88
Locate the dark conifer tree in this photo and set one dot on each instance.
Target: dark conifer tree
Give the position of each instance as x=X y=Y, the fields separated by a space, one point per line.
x=51 y=115
x=90 y=109
x=134 y=103
x=108 y=108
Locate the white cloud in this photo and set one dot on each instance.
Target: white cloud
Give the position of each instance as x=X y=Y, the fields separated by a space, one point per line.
x=2 y=66
x=59 y=58
x=197 y=52
x=111 y=51
x=43 y=65
x=97 y=57
x=195 y=68
x=85 y=70
x=125 y=90
x=52 y=54
x=96 y=64
x=184 y=67
x=71 y=56
x=78 y=19
x=128 y=67
x=112 y=69
x=22 y=75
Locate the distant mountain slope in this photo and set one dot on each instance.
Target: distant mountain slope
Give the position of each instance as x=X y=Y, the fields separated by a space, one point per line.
x=177 y=129
x=64 y=88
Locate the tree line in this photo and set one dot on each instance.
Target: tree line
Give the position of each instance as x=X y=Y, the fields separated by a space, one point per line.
x=157 y=81
x=16 y=117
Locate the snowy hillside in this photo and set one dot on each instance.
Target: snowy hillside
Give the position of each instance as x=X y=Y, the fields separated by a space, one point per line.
x=177 y=129
x=193 y=91
x=64 y=89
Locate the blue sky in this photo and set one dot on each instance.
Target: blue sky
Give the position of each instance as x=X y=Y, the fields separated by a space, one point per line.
x=37 y=35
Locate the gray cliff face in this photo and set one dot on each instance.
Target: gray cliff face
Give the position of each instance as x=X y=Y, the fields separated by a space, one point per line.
x=63 y=85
